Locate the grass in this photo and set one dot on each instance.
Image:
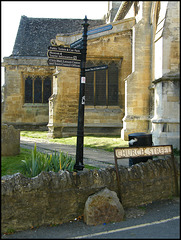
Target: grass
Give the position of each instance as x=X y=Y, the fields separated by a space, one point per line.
x=34 y=134
x=13 y=164
x=99 y=142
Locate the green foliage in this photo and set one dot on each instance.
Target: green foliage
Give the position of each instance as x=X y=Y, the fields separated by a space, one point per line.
x=176 y=152
x=12 y=164
x=44 y=162
x=9 y=231
x=34 y=134
x=66 y=162
x=90 y=167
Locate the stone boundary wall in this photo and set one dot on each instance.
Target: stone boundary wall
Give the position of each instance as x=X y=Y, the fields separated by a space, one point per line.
x=55 y=198
x=10 y=140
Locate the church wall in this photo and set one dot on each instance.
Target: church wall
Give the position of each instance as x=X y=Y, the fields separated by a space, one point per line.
x=16 y=112
x=165 y=122
x=100 y=51
x=64 y=102
x=171 y=38
x=137 y=93
x=62 y=110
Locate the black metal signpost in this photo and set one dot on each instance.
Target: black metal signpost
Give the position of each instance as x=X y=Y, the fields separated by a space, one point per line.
x=75 y=57
x=80 y=128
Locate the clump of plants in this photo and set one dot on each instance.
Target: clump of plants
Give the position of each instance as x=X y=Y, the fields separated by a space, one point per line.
x=44 y=162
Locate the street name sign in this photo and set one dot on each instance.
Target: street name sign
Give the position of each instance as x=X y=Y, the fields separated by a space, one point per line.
x=63 y=56
x=160 y=150
x=142 y=151
x=95 y=68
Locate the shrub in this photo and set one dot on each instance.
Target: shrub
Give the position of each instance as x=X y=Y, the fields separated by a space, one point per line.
x=44 y=162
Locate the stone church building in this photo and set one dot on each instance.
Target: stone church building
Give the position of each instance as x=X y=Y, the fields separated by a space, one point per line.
x=139 y=91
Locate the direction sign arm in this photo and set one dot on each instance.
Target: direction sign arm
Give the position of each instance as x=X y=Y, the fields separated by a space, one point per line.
x=79 y=43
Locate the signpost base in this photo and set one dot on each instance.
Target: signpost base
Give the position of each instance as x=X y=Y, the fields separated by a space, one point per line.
x=78 y=167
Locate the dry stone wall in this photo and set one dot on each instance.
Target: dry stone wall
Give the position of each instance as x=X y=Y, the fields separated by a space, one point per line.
x=54 y=198
x=24 y=116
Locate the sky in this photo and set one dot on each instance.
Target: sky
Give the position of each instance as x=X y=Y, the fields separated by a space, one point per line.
x=11 y=12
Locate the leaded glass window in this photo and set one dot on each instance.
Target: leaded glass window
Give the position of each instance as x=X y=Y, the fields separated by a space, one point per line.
x=37 y=89
x=28 y=90
x=101 y=88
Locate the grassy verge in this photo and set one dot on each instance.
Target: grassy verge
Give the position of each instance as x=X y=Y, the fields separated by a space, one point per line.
x=99 y=142
x=13 y=164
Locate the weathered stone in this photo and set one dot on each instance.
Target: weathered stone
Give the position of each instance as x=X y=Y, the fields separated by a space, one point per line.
x=54 y=198
x=103 y=207
x=10 y=140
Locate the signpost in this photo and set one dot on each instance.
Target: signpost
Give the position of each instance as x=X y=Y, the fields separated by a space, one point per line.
x=64 y=49
x=65 y=57
x=80 y=128
x=96 y=68
x=77 y=44
x=75 y=57
x=63 y=63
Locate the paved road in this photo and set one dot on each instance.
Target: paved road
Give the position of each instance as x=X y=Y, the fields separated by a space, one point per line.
x=93 y=157
x=157 y=220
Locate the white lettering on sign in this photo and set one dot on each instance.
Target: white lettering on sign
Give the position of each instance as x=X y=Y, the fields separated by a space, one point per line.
x=83 y=79
x=83 y=100
x=142 y=151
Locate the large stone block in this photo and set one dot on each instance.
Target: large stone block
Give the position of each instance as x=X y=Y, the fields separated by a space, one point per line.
x=103 y=207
